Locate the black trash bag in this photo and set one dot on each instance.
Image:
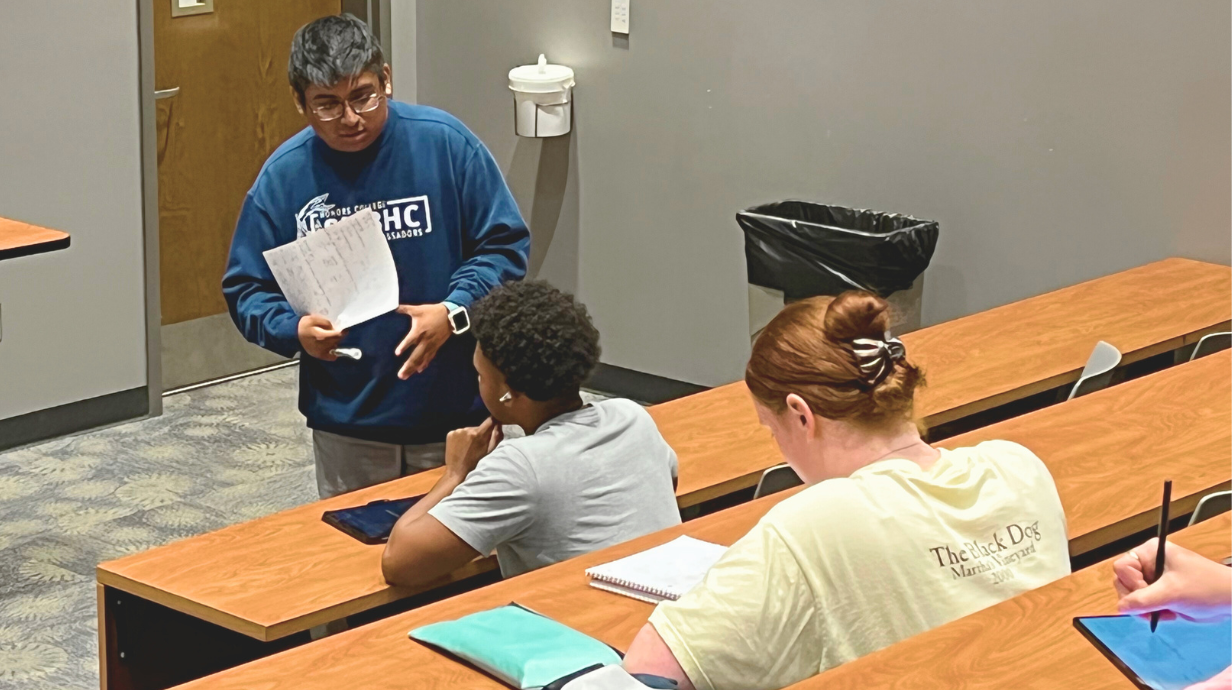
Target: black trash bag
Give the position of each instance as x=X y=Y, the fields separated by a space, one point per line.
x=806 y=249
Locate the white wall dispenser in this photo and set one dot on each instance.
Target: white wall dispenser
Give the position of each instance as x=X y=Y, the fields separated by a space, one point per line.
x=542 y=99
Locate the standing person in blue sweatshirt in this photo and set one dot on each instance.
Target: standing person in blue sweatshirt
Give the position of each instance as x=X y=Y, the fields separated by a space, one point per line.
x=455 y=233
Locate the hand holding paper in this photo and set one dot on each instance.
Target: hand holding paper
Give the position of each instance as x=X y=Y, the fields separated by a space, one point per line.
x=343 y=272
x=318 y=337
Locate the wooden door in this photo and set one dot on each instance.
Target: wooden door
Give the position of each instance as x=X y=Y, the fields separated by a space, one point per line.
x=233 y=108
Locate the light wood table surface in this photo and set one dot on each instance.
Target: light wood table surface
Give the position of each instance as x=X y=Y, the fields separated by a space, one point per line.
x=1026 y=642
x=1109 y=452
x=1175 y=423
x=22 y=239
x=282 y=574
x=975 y=363
x=277 y=575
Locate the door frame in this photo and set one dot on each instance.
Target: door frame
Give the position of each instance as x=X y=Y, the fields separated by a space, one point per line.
x=149 y=205
x=375 y=12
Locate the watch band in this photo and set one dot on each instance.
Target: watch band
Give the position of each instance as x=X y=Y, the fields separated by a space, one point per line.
x=454 y=315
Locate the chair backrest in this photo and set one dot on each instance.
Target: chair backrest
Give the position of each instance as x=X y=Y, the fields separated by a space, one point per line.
x=1210 y=344
x=1211 y=505
x=1097 y=373
x=776 y=479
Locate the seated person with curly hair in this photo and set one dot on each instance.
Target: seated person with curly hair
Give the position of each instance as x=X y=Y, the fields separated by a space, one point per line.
x=584 y=476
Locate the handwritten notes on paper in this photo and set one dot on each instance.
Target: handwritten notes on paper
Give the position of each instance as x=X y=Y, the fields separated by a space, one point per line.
x=344 y=272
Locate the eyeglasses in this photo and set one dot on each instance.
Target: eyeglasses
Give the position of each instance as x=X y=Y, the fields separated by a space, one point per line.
x=335 y=110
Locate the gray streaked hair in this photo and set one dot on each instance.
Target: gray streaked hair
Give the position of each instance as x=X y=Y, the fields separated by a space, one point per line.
x=331 y=49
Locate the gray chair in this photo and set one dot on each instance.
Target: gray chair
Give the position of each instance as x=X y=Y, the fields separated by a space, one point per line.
x=1210 y=344
x=1097 y=373
x=1211 y=505
x=776 y=479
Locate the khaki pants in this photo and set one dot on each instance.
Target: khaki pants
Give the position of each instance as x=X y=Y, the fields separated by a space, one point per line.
x=346 y=464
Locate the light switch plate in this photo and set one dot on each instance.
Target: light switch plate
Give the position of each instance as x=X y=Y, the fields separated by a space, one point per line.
x=620 y=17
x=184 y=8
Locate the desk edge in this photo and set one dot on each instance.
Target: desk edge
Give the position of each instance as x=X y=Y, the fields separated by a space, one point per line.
x=1147 y=519
x=37 y=248
x=1063 y=378
x=181 y=604
x=270 y=632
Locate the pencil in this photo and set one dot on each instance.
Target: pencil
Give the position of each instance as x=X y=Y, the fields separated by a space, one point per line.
x=1163 y=538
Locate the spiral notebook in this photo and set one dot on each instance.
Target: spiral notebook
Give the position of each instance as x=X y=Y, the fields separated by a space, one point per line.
x=664 y=573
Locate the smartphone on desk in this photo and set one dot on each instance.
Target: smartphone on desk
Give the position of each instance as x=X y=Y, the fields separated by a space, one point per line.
x=370 y=523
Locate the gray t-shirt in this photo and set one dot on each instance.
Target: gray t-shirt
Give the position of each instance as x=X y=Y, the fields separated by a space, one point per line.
x=587 y=479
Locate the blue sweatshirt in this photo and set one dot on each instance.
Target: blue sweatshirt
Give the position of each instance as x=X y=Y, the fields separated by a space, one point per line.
x=455 y=233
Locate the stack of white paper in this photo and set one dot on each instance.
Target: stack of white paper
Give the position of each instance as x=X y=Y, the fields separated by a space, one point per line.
x=343 y=272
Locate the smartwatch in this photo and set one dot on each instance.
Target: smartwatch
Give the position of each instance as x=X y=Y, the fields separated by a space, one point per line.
x=459 y=319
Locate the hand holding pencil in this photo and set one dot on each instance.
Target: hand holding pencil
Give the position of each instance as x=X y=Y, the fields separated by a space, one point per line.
x=1191 y=586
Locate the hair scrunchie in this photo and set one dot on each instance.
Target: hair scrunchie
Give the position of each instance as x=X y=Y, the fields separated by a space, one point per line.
x=876 y=357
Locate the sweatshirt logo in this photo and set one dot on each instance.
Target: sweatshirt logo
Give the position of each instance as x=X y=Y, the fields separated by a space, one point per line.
x=312 y=216
x=400 y=218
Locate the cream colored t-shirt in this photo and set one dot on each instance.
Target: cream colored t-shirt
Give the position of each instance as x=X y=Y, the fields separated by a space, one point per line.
x=851 y=565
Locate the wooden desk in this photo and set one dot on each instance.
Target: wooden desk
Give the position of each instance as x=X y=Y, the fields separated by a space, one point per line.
x=277 y=575
x=1177 y=422
x=974 y=363
x=1026 y=642
x=282 y=574
x=1110 y=452
x=22 y=239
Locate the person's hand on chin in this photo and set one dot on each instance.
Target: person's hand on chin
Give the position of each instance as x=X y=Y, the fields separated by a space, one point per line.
x=465 y=447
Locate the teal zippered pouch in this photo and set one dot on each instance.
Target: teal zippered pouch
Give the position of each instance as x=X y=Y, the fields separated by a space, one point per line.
x=518 y=646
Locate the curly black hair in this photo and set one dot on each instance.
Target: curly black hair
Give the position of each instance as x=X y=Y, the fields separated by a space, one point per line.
x=539 y=337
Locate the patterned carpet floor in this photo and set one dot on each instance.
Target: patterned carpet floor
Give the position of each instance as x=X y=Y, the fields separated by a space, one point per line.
x=218 y=455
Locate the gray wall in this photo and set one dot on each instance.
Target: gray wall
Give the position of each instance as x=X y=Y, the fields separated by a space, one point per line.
x=1054 y=141
x=74 y=320
x=401 y=52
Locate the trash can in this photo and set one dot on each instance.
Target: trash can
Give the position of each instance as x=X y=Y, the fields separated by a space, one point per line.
x=798 y=249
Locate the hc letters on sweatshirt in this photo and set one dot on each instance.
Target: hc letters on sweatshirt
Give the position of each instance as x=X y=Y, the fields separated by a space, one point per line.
x=455 y=233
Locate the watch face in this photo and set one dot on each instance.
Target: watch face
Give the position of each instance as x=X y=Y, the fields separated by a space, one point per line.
x=460 y=320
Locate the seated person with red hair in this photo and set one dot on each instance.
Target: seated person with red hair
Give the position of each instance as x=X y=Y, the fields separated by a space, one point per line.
x=891 y=537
